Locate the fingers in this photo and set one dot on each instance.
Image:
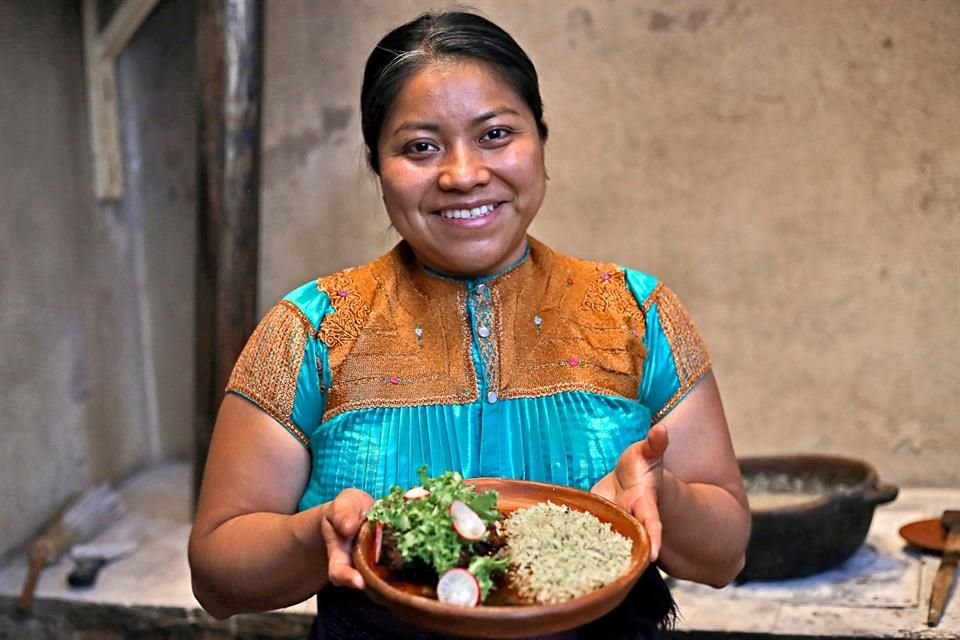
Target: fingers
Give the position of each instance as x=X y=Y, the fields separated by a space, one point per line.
x=637 y=478
x=655 y=444
x=642 y=457
x=340 y=525
x=642 y=503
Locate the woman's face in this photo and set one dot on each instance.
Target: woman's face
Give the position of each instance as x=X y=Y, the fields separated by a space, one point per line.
x=461 y=168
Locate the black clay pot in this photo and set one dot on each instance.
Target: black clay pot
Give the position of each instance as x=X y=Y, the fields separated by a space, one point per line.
x=819 y=516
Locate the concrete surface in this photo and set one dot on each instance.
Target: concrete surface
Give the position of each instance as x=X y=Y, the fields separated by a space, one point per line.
x=882 y=591
x=154 y=584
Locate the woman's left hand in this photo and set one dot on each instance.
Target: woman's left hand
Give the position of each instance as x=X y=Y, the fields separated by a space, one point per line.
x=342 y=518
x=635 y=483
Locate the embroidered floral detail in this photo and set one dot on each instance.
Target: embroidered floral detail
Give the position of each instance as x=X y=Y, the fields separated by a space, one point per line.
x=609 y=293
x=538 y=316
x=536 y=358
x=350 y=310
x=375 y=356
x=486 y=318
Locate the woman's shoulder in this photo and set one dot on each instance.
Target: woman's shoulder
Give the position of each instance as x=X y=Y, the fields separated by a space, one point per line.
x=318 y=297
x=643 y=286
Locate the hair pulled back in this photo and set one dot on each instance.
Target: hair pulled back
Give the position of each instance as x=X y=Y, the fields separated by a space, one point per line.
x=435 y=37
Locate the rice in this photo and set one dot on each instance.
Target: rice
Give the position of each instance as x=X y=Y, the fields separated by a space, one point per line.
x=558 y=553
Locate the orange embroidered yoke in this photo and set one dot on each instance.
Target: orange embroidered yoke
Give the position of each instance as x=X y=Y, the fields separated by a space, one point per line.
x=546 y=371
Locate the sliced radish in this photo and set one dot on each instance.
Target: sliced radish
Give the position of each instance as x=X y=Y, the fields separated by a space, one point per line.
x=459 y=587
x=466 y=521
x=377 y=542
x=416 y=493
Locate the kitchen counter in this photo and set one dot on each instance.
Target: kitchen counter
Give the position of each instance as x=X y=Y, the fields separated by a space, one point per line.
x=882 y=592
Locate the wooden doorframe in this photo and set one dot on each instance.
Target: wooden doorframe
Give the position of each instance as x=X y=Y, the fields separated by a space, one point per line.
x=229 y=78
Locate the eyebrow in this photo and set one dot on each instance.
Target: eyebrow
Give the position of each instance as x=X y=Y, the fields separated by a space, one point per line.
x=432 y=126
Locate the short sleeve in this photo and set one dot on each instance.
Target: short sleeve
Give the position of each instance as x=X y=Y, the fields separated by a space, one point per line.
x=281 y=368
x=676 y=357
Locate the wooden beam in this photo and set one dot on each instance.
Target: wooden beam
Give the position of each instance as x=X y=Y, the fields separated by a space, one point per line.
x=100 y=52
x=102 y=110
x=124 y=23
x=229 y=63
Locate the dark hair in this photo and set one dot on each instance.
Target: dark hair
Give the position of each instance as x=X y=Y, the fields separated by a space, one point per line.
x=437 y=36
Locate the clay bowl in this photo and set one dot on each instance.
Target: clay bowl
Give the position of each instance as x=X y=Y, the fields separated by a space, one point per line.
x=514 y=621
x=822 y=520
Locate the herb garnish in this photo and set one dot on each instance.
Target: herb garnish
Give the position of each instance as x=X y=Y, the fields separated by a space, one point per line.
x=423 y=527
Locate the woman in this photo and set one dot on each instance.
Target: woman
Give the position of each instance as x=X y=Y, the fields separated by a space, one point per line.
x=470 y=347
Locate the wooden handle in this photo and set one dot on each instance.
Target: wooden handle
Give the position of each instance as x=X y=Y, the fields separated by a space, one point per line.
x=950 y=520
x=30 y=584
x=941 y=589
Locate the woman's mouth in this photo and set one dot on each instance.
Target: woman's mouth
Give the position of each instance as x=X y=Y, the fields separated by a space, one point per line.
x=469 y=214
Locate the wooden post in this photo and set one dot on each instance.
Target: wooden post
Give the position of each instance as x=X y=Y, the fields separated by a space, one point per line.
x=229 y=66
x=102 y=110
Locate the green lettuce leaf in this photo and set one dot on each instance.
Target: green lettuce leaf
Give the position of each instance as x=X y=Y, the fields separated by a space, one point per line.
x=424 y=529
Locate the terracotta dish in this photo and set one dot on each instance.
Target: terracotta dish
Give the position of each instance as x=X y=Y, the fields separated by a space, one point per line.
x=522 y=620
x=925 y=534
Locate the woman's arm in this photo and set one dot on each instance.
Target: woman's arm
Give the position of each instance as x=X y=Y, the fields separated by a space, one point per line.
x=249 y=549
x=684 y=478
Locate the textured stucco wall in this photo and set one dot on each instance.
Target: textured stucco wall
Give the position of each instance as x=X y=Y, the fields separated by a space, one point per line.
x=791 y=169
x=96 y=329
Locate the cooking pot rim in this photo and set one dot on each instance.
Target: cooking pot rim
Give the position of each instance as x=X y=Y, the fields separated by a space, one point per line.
x=867 y=489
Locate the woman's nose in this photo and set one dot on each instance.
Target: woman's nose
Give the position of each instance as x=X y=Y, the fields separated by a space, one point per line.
x=463 y=169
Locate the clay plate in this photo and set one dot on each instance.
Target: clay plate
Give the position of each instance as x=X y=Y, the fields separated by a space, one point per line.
x=925 y=534
x=514 y=621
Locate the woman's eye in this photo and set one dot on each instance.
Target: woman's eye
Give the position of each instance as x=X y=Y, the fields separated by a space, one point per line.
x=418 y=147
x=496 y=134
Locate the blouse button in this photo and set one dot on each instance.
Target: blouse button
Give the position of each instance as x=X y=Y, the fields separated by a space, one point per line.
x=481 y=288
x=492 y=397
x=484 y=332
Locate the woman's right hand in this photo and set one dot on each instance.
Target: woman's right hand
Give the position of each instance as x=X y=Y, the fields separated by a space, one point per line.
x=342 y=518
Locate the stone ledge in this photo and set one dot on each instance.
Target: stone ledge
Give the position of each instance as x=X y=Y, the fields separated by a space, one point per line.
x=54 y=619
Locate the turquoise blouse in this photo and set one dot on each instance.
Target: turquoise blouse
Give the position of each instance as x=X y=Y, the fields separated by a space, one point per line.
x=603 y=368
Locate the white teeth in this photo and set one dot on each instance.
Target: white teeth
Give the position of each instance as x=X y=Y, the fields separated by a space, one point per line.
x=478 y=212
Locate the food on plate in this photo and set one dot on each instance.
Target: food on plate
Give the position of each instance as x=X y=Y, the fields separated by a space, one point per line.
x=445 y=540
x=558 y=553
x=441 y=533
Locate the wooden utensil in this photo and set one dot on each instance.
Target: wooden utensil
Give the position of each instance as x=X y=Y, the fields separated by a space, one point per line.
x=925 y=535
x=83 y=518
x=950 y=520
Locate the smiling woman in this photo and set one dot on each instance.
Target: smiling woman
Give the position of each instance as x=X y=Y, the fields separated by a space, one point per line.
x=470 y=348
x=461 y=167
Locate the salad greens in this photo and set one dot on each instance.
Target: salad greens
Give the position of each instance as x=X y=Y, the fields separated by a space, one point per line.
x=423 y=527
